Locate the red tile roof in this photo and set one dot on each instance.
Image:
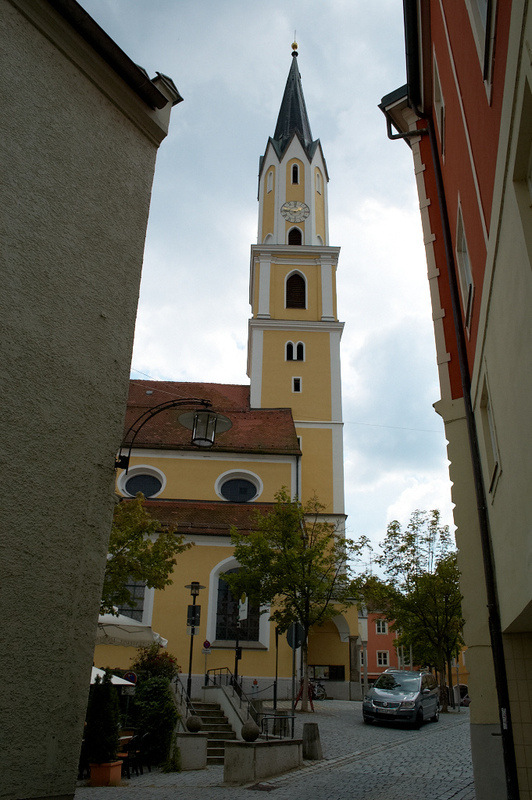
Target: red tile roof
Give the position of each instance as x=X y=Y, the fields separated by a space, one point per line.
x=254 y=430
x=207 y=518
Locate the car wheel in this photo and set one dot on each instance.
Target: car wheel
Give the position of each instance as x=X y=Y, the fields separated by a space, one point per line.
x=419 y=720
x=436 y=716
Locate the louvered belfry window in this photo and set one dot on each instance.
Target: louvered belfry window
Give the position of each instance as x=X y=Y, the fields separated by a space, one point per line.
x=296 y=291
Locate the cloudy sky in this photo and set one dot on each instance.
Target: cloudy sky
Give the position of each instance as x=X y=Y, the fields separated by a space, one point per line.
x=230 y=60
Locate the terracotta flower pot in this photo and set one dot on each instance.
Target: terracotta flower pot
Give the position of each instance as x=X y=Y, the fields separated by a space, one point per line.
x=107 y=774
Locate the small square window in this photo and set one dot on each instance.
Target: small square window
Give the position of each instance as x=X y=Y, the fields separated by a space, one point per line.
x=296 y=384
x=382 y=658
x=381 y=625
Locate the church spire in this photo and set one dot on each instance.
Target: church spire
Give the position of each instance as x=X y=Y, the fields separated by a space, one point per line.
x=293 y=117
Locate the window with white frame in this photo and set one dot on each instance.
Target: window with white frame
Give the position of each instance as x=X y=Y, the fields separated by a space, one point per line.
x=383 y=658
x=361 y=658
x=269 y=185
x=296 y=385
x=439 y=105
x=295 y=352
x=137 y=592
x=381 y=625
x=490 y=440
x=482 y=14
x=295 y=173
x=464 y=269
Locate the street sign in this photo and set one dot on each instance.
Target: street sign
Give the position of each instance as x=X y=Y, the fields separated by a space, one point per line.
x=130 y=676
x=243 y=605
x=191 y=628
x=295 y=635
x=193 y=615
x=206 y=644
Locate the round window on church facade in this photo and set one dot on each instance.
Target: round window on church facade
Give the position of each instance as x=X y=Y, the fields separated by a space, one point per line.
x=238 y=490
x=149 y=485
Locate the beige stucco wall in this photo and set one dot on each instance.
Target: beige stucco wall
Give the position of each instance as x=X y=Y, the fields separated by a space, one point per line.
x=77 y=180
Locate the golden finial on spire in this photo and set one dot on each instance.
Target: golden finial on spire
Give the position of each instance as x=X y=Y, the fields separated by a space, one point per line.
x=294 y=45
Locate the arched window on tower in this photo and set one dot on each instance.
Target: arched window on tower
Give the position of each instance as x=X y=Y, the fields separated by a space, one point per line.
x=289 y=351
x=269 y=185
x=295 y=173
x=300 y=351
x=295 y=236
x=318 y=182
x=296 y=291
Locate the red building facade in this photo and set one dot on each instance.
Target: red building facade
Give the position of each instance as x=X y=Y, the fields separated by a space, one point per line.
x=466 y=113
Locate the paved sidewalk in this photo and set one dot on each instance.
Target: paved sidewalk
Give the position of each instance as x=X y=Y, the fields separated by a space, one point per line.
x=360 y=761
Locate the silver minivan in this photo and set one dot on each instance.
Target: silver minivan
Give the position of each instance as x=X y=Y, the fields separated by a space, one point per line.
x=401 y=696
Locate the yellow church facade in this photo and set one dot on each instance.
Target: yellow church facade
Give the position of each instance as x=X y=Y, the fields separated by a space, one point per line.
x=284 y=430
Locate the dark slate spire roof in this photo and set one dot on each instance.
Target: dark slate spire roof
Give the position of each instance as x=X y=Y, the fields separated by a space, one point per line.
x=293 y=116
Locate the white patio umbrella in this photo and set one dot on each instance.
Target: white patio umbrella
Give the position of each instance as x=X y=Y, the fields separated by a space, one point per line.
x=99 y=673
x=122 y=630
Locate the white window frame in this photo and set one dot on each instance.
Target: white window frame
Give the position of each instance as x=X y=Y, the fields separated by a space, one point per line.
x=140 y=469
x=489 y=435
x=212 y=610
x=383 y=658
x=294 y=390
x=243 y=474
x=381 y=623
x=438 y=103
x=465 y=275
x=483 y=28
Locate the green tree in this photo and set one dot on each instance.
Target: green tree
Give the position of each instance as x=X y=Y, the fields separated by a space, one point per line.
x=296 y=563
x=138 y=550
x=156 y=717
x=420 y=592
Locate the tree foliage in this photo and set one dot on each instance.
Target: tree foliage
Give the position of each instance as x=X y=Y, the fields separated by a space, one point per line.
x=154 y=662
x=295 y=563
x=138 y=550
x=420 y=591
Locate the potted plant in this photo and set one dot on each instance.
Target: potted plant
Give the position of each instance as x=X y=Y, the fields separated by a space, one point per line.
x=102 y=734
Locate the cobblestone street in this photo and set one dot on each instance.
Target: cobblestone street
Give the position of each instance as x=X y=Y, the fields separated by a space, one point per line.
x=361 y=762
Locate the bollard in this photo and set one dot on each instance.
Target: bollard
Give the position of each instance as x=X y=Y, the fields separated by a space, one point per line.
x=311 y=742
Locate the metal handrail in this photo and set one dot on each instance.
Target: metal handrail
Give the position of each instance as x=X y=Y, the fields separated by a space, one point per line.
x=184 y=699
x=222 y=676
x=279 y=725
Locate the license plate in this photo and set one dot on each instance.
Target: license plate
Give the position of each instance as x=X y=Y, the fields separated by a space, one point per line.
x=388 y=710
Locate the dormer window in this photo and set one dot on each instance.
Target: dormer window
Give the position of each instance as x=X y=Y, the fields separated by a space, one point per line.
x=295 y=173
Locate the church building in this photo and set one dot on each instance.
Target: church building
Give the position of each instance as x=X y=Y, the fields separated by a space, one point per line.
x=284 y=429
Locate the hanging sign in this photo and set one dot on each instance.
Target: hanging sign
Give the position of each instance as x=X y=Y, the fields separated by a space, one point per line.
x=243 y=605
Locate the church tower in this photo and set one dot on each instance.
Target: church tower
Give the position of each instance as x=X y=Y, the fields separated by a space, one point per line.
x=294 y=332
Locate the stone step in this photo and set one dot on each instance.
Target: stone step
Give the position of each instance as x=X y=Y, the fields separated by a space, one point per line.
x=230 y=734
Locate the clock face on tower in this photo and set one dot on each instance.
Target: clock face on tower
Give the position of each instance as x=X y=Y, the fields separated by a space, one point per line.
x=295 y=211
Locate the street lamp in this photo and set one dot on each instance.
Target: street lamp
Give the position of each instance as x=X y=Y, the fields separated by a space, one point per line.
x=203 y=422
x=193 y=620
